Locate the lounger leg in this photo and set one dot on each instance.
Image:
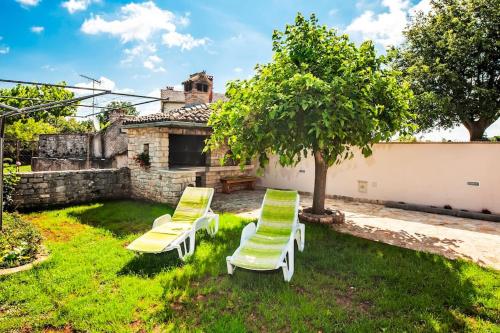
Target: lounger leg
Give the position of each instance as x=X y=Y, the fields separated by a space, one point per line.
x=213 y=228
x=230 y=268
x=191 y=243
x=300 y=236
x=288 y=265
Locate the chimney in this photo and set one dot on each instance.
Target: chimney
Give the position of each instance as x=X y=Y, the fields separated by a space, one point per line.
x=198 y=89
x=116 y=114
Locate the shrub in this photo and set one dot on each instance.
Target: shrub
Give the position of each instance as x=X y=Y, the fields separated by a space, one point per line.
x=10 y=180
x=20 y=241
x=143 y=160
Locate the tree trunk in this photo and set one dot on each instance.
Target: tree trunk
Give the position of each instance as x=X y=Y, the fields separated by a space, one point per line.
x=476 y=129
x=320 y=170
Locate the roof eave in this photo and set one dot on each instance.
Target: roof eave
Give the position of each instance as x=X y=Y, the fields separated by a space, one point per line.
x=168 y=123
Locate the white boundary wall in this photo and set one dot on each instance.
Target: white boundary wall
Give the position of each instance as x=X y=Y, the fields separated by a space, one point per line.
x=420 y=173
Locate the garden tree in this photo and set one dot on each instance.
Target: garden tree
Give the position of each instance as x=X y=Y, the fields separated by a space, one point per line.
x=28 y=129
x=71 y=125
x=45 y=93
x=452 y=58
x=103 y=117
x=321 y=94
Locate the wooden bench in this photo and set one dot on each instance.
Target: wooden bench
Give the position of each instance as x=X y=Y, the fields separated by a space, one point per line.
x=228 y=183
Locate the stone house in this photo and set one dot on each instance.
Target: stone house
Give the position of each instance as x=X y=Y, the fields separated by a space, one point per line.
x=174 y=140
x=175 y=99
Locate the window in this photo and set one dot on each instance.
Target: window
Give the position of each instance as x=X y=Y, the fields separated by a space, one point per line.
x=145 y=148
x=202 y=87
x=188 y=86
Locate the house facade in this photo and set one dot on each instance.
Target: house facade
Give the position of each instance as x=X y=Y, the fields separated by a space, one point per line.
x=174 y=140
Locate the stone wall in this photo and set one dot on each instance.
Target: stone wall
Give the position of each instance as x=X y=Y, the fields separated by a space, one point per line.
x=48 y=188
x=158 y=182
x=211 y=176
x=63 y=145
x=105 y=149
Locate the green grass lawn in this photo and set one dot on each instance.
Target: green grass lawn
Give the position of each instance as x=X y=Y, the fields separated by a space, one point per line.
x=341 y=283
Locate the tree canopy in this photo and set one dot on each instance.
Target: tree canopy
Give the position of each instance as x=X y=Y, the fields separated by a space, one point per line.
x=452 y=58
x=129 y=109
x=55 y=120
x=321 y=94
x=30 y=95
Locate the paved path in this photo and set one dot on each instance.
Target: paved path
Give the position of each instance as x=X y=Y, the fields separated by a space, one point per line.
x=449 y=236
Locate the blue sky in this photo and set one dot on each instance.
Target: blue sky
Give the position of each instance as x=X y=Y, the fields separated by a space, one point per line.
x=142 y=46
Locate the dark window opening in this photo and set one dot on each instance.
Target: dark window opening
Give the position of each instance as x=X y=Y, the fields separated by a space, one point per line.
x=188 y=86
x=186 y=150
x=202 y=87
x=145 y=148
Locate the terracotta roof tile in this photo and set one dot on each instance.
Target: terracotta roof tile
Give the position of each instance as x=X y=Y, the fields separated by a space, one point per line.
x=193 y=114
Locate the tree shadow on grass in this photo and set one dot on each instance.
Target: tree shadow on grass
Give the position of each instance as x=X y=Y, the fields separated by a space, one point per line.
x=341 y=282
x=122 y=218
x=149 y=265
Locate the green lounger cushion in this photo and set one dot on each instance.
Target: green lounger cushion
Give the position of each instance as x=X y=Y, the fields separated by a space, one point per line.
x=260 y=252
x=157 y=239
x=192 y=205
x=263 y=250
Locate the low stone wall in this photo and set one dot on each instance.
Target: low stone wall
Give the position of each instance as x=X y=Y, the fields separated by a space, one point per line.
x=48 y=188
x=211 y=177
x=160 y=185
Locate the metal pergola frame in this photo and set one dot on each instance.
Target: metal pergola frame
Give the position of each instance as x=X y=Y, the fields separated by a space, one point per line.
x=11 y=111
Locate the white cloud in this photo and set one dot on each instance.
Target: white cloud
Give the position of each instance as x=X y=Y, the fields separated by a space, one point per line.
x=149 y=108
x=137 y=22
x=140 y=22
x=423 y=6
x=152 y=63
x=237 y=69
x=184 y=41
x=27 y=3
x=132 y=53
x=74 y=6
x=106 y=84
x=4 y=49
x=37 y=29
x=333 y=12
x=48 y=68
x=386 y=28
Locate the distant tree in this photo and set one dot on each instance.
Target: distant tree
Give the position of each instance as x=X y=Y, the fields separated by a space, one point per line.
x=71 y=125
x=103 y=117
x=26 y=94
x=321 y=94
x=28 y=129
x=452 y=58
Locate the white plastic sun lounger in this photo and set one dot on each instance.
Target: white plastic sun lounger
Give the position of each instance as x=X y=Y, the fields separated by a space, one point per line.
x=269 y=245
x=177 y=232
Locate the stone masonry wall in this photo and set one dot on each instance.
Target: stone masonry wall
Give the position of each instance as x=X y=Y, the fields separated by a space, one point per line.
x=211 y=177
x=47 y=188
x=156 y=182
x=63 y=145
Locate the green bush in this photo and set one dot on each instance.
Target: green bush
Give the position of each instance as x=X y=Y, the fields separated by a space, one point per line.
x=20 y=241
x=10 y=180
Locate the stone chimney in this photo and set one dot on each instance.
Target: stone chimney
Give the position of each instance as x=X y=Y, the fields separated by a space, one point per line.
x=198 y=89
x=116 y=114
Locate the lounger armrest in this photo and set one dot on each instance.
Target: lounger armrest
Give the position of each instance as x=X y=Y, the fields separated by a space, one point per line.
x=162 y=220
x=248 y=231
